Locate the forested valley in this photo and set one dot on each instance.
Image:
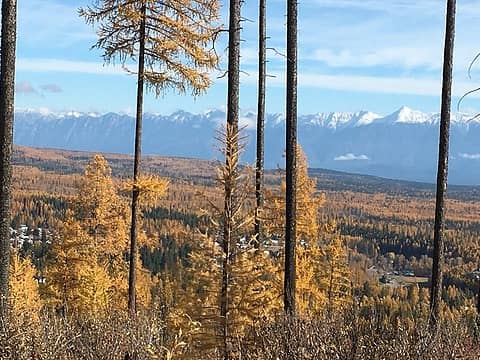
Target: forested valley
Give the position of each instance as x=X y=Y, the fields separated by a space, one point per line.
x=373 y=255
x=110 y=256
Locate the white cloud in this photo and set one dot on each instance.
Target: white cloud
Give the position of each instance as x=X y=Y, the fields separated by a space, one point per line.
x=470 y=156
x=371 y=84
x=24 y=87
x=406 y=57
x=397 y=6
x=52 y=88
x=351 y=157
x=67 y=66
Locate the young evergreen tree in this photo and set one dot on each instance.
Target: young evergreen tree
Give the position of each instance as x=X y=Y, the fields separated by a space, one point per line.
x=231 y=164
x=291 y=155
x=24 y=291
x=251 y=296
x=7 y=92
x=103 y=215
x=87 y=269
x=322 y=268
x=334 y=277
x=308 y=205
x=442 y=174
x=171 y=43
x=70 y=256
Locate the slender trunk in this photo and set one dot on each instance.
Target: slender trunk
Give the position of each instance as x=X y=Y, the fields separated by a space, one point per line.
x=136 y=167
x=330 y=288
x=262 y=64
x=478 y=298
x=438 y=246
x=7 y=97
x=291 y=161
x=231 y=162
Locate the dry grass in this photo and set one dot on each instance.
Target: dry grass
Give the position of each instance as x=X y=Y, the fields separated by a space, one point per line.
x=113 y=337
x=348 y=337
x=345 y=336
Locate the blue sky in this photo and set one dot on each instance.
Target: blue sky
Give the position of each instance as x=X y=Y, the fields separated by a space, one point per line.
x=372 y=55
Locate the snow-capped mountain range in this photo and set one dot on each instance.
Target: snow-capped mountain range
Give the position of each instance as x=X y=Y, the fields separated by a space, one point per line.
x=400 y=145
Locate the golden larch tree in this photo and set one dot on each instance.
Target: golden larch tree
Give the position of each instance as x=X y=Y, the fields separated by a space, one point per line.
x=224 y=316
x=335 y=274
x=320 y=263
x=88 y=271
x=171 y=41
x=24 y=290
x=103 y=214
x=70 y=255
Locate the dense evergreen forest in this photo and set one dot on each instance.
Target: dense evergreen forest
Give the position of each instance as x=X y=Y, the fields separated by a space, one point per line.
x=106 y=256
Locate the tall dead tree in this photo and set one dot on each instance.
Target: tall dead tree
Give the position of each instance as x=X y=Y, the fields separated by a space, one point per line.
x=291 y=162
x=442 y=174
x=172 y=44
x=231 y=162
x=7 y=100
x=262 y=65
x=136 y=163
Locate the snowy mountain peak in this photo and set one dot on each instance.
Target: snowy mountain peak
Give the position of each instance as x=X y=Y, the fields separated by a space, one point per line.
x=366 y=118
x=330 y=120
x=403 y=144
x=408 y=116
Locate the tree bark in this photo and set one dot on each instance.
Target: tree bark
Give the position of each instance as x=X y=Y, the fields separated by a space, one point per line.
x=291 y=161
x=136 y=167
x=262 y=64
x=442 y=174
x=7 y=100
x=478 y=297
x=231 y=162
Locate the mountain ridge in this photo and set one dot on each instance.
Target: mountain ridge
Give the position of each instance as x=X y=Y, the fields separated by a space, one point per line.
x=400 y=145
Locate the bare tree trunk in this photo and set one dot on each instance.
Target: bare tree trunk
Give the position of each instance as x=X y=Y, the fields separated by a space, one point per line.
x=291 y=161
x=136 y=167
x=438 y=245
x=262 y=64
x=7 y=100
x=231 y=163
x=478 y=298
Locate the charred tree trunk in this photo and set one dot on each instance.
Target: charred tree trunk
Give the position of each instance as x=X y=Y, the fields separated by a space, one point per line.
x=231 y=163
x=136 y=167
x=478 y=298
x=291 y=162
x=262 y=64
x=7 y=99
x=442 y=174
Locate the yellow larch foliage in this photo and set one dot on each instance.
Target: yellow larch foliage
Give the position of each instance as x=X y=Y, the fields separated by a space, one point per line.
x=322 y=268
x=311 y=299
x=103 y=214
x=95 y=292
x=179 y=52
x=335 y=274
x=70 y=255
x=251 y=296
x=24 y=290
x=308 y=205
x=229 y=285
x=88 y=272
x=119 y=287
x=150 y=188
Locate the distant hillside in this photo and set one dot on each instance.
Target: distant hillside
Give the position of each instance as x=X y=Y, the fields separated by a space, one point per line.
x=200 y=171
x=402 y=145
